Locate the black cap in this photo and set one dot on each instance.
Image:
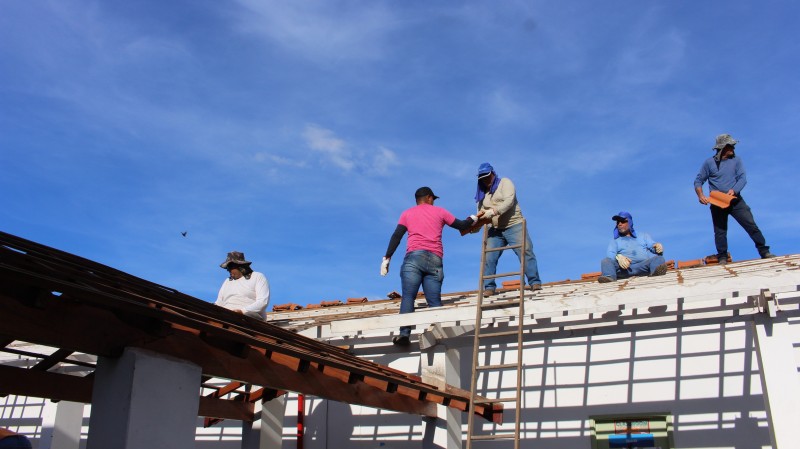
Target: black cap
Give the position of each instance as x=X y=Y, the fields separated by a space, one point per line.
x=423 y=192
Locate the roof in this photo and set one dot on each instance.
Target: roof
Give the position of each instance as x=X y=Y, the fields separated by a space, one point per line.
x=75 y=307
x=741 y=287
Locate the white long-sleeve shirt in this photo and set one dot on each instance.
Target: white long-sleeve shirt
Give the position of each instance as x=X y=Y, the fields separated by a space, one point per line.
x=251 y=296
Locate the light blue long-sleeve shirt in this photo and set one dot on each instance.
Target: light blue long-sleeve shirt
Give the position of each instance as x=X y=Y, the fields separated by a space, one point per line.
x=637 y=249
x=729 y=175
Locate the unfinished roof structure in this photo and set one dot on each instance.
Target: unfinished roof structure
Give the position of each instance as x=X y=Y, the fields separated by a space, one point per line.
x=700 y=357
x=668 y=351
x=70 y=308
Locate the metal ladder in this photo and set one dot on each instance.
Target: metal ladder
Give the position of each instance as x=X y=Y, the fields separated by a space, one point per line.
x=482 y=336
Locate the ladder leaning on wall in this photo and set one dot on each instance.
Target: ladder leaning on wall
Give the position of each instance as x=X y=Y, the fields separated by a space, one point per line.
x=487 y=336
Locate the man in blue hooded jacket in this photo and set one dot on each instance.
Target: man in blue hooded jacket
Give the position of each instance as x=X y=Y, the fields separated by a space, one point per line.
x=631 y=254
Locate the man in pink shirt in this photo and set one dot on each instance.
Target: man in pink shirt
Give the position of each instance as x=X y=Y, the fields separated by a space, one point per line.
x=422 y=264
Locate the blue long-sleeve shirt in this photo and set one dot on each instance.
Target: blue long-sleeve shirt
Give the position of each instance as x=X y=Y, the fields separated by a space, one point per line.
x=637 y=249
x=729 y=175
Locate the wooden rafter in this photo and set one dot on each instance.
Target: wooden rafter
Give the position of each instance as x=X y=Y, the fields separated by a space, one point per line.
x=56 y=299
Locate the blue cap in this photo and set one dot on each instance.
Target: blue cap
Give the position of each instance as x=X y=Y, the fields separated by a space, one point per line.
x=622 y=216
x=485 y=169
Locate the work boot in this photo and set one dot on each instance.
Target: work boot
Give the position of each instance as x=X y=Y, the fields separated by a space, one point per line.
x=660 y=270
x=535 y=287
x=722 y=261
x=767 y=255
x=401 y=340
x=488 y=292
x=605 y=279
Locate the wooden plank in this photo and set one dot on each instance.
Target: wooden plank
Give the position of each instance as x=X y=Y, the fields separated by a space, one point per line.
x=53 y=359
x=42 y=384
x=223 y=409
x=76 y=327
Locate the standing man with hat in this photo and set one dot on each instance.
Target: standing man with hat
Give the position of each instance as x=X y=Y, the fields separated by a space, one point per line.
x=422 y=264
x=497 y=199
x=725 y=173
x=245 y=291
x=629 y=254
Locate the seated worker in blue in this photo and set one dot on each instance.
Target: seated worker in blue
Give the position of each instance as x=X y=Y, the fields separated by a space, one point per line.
x=630 y=254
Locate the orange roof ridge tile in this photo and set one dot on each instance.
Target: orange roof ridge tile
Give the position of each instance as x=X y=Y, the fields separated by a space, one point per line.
x=720 y=199
x=357 y=300
x=286 y=307
x=690 y=263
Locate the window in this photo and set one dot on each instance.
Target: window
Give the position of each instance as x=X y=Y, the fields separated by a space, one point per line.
x=632 y=431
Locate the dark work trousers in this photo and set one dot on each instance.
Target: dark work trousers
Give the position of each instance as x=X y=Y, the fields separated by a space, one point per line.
x=740 y=211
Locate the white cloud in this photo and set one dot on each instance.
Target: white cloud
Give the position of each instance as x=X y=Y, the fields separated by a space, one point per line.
x=504 y=108
x=383 y=161
x=334 y=149
x=337 y=152
x=321 y=29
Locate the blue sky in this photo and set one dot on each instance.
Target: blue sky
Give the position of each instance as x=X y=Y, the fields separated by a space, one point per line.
x=297 y=131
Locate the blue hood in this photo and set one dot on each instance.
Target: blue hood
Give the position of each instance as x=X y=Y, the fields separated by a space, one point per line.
x=626 y=216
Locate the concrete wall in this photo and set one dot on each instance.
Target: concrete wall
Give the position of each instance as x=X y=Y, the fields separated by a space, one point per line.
x=706 y=376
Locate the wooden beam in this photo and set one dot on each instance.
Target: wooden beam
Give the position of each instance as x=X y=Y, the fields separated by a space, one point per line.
x=222 y=409
x=42 y=384
x=75 y=326
x=53 y=359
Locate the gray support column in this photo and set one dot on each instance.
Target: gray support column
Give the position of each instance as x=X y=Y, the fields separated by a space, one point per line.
x=144 y=400
x=266 y=432
x=442 y=366
x=779 y=379
x=61 y=427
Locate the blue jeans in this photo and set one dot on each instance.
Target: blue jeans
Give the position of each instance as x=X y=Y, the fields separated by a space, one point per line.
x=511 y=235
x=420 y=268
x=610 y=267
x=744 y=216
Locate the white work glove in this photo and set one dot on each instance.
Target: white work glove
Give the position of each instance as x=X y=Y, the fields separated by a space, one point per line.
x=659 y=248
x=489 y=213
x=623 y=262
x=385 y=266
x=474 y=218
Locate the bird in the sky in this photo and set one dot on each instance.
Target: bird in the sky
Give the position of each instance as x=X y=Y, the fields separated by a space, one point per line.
x=183 y=233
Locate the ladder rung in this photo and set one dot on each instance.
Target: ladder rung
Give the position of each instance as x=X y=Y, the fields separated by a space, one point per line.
x=503 y=366
x=500 y=304
x=498 y=400
x=501 y=248
x=503 y=275
x=498 y=334
x=502 y=436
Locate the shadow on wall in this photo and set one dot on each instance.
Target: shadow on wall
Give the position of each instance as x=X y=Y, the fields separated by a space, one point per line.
x=329 y=425
x=705 y=376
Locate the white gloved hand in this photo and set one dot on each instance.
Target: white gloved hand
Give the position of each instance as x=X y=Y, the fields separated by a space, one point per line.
x=623 y=262
x=659 y=248
x=489 y=213
x=474 y=218
x=385 y=266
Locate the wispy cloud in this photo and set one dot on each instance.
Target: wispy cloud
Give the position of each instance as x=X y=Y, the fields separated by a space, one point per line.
x=329 y=30
x=335 y=151
x=505 y=108
x=332 y=148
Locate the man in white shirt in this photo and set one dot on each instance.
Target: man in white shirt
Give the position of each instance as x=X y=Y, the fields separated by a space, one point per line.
x=245 y=291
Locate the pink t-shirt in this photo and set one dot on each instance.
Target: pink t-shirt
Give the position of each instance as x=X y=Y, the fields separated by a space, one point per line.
x=424 y=223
